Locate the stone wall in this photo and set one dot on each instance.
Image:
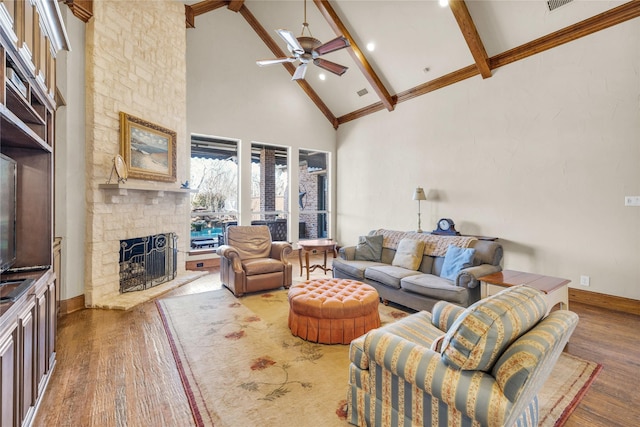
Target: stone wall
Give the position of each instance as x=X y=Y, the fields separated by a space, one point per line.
x=135 y=63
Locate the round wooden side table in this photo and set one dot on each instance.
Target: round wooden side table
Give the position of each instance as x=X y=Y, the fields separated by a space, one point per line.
x=315 y=246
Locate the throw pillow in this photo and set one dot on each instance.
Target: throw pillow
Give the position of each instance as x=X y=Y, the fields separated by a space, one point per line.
x=409 y=254
x=455 y=260
x=484 y=330
x=369 y=248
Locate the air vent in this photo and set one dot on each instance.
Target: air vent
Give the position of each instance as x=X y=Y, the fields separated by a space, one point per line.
x=554 y=4
x=362 y=92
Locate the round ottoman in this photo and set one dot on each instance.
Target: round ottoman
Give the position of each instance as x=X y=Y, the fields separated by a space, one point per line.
x=332 y=311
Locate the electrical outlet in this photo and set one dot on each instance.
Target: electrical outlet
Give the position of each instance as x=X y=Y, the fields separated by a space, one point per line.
x=584 y=280
x=632 y=200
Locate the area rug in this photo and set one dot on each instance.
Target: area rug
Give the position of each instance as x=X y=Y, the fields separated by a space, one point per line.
x=241 y=366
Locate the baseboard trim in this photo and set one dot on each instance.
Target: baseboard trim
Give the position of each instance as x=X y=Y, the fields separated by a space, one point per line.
x=72 y=304
x=611 y=302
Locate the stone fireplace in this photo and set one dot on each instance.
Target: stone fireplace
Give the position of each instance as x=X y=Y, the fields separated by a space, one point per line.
x=128 y=212
x=139 y=70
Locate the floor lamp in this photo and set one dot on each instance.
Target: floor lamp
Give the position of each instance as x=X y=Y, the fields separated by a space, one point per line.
x=419 y=195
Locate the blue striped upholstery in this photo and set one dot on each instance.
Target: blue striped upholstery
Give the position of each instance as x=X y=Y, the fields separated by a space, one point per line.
x=415 y=328
x=485 y=329
x=444 y=314
x=397 y=380
x=524 y=367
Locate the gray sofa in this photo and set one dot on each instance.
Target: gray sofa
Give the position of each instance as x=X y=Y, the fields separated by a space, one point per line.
x=421 y=288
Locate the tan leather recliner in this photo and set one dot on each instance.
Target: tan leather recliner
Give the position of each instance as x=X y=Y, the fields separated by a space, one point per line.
x=251 y=262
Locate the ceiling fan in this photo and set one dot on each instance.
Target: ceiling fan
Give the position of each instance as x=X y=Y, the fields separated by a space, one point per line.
x=308 y=49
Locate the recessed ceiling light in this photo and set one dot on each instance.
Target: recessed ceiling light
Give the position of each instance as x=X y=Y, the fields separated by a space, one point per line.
x=371 y=46
x=443 y=3
x=322 y=76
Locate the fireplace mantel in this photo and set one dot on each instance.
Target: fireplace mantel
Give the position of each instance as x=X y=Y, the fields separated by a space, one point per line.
x=153 y=192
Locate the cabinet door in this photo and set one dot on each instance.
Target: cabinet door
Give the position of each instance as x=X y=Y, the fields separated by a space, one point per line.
x=42 y=329
x=52 y=320
x=8 y=370
x=27 y=369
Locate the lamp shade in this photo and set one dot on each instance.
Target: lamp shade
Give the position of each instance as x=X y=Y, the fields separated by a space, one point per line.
x=418 y=194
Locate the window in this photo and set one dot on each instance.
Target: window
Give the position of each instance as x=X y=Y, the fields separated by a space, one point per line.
x=269 y=181
x=214 y=172
x=313 y=195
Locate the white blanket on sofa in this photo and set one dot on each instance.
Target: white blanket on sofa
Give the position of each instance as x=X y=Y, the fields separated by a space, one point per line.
x=435 y=245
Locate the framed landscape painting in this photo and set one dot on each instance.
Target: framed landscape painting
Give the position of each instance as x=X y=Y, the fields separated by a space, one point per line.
x=149 y=150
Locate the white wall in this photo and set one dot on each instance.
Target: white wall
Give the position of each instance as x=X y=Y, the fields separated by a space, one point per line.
x=228 y=95
x=69 y=161
x=540 y=155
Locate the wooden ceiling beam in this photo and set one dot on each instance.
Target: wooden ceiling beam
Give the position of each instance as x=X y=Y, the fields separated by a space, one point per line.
x=591 y=25
x=235 y=5
x=191 y=11
x=615 y=16
x=430 y=86
x=81 y=9
x=341 y=30
x=275 y=49
x=207 y=6
x=470 y=33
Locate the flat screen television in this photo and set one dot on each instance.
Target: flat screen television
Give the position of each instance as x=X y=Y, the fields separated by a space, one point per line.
x=8 y=183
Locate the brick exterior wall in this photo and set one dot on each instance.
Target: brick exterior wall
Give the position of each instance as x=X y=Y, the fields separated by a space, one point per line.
x=268 y=182
x=309 y=183
x=135 y=62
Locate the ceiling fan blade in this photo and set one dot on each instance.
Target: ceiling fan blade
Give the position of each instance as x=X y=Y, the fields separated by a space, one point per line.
x=331 y=46
x=300 y=72
x=264 y=62
x=292 y=41
x=331 y=66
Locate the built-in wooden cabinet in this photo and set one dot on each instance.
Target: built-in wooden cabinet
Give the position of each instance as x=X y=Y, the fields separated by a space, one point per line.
x=31 y=34
x=27 y=349
x=8 y=371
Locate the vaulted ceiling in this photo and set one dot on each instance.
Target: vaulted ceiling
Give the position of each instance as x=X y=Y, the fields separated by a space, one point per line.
x=420 y=46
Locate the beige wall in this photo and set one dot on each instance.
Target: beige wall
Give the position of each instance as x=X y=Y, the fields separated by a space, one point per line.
x=540 y=155
x=69 y=159
x=135 y=63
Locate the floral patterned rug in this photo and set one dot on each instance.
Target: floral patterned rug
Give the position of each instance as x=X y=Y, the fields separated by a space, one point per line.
x=240 y=365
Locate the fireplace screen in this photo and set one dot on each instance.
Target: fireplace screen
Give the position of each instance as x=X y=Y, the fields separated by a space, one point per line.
x=147 y=261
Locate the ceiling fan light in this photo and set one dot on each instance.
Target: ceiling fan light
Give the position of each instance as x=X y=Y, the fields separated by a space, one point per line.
x=322 y=76
x=443 y=3
x=371 y=46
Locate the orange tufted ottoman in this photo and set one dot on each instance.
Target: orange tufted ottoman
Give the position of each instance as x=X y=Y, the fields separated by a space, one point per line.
x=332 y=311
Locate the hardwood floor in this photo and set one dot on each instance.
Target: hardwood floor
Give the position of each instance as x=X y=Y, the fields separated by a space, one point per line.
x=115 y=368
x=610 y=338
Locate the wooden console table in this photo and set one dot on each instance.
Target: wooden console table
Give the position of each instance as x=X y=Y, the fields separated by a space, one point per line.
x=314 y=246
x=555 y=289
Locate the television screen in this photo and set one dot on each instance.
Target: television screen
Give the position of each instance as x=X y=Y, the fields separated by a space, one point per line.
x=8 y=172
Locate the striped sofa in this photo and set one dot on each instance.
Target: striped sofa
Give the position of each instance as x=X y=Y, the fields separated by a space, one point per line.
x=476 y=366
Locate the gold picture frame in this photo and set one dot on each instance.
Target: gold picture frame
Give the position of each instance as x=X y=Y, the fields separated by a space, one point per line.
x=149 y=150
